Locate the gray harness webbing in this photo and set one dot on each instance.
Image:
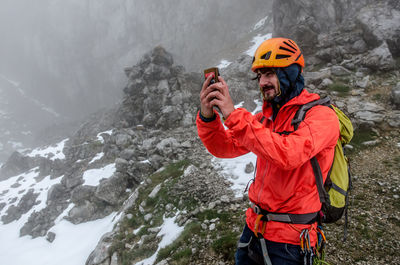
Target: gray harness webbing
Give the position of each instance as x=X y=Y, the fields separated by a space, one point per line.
x=307 y=218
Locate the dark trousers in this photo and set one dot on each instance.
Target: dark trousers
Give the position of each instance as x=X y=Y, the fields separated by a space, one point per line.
x=279 y=253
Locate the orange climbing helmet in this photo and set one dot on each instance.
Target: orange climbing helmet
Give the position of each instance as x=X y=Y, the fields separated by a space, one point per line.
x=277 y=52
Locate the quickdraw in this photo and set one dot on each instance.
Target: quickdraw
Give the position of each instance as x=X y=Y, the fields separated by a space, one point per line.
x=305 y=246
x=312 y=255
x=264 y=225
x=319 y=256
x=267 y=260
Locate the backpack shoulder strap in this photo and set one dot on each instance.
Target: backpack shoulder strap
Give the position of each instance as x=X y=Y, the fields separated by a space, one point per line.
x=301 y=112
x=262 y=119
x=323 y=195
x=297 y=119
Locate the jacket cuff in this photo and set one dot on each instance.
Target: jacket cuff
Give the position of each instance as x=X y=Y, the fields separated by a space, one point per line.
x=207 y=119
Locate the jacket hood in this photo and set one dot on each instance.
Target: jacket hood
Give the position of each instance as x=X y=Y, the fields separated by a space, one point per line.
x=303 y=98
x=291 y=83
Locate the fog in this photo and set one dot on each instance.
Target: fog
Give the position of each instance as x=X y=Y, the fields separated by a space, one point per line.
x=67 y=57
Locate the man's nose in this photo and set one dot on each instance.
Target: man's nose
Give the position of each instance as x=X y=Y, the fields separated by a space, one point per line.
x=264 y=80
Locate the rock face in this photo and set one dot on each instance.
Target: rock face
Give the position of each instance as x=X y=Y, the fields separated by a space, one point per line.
x=158 y=94
x=131 y=141
x=25 y=204
x=16 y=164
x=380 y=23
x=328 y=30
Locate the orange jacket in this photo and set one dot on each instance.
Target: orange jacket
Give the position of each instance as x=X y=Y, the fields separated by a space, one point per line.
x=284 y=182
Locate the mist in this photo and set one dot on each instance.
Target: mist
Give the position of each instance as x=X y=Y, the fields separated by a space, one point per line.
x=67 y=57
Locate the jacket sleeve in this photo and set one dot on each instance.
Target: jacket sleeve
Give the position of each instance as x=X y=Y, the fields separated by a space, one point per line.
x=218 y=141
x=319 y=130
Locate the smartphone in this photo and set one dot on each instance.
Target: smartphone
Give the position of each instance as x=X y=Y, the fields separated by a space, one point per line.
x=209 y=71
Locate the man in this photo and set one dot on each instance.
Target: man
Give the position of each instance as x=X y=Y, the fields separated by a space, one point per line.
x=284 y=196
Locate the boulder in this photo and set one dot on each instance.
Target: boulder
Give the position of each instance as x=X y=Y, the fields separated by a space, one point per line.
x=71 y=181
x=363 y=83
x=316 y=78
x=326 y=82
x=121 y=165
x=50 y=237
x=338 y=70
x=394 y=119
x=15 y=164
x=395 y=96
x=112 y=190
x=369 y=117
x=82 y=212
x=249 y=168
x=379 y=58
x=57 y=193
x=168 y=146
x=122 y=140
x=190 y=171
x=39 y=223
x=82 y=193
x=128 y=154
x=101 y=253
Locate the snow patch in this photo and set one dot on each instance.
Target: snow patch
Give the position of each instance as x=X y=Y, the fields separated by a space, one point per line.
x=78 y=240
x=169 y=232
x=233 y=169
x=19 y=185
x=72 y=245
x=260 y=23
x=96 y=157
x=223 y=64
x=92 y=177
x=239 y=105
x=137 y=230
x=51 y=152
x=100 y=138
x=258 y=108
x=257 y=40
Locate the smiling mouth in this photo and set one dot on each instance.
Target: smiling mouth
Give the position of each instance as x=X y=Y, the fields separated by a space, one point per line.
x=268 y=88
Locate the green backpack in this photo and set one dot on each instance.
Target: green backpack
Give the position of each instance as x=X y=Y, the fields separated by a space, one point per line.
x=334 y=193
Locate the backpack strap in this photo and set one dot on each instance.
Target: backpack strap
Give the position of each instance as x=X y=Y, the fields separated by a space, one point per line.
x=297 y=119
x=301 y=112
x=323 y=195
x=262 y=119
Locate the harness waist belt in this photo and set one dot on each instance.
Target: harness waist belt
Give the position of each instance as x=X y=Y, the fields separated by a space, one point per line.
x=307 y=218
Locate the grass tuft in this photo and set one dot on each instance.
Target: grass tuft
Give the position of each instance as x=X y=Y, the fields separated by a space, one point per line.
x=341 y=88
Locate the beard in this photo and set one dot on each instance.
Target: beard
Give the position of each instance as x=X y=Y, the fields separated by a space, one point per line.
x=269 y=92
